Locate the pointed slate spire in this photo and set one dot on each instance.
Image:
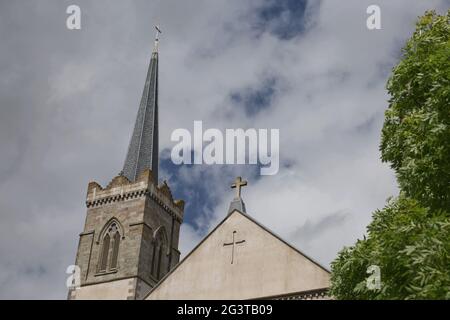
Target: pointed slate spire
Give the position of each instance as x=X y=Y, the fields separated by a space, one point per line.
x=143 y=150
x=238 y=203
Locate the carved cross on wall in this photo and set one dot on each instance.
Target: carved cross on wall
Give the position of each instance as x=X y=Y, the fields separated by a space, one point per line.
x=233 y=244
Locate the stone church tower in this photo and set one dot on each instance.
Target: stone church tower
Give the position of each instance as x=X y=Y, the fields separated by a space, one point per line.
x=131 y=233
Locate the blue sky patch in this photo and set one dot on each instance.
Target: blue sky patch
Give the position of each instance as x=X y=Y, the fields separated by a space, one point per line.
x=255 y=100
x=198 y=187
x=285 y=18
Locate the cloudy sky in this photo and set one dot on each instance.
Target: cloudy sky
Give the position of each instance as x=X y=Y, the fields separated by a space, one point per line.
x=68 y=100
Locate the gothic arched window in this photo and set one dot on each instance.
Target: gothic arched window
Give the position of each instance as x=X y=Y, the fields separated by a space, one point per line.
x=110 y=248
x=105 y=252
x=115 y=252
x=158 y=270
x=155 y=258
x=159 y=254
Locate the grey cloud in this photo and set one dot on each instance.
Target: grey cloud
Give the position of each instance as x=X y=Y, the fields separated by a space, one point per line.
x=68 y=101
x=309 y=230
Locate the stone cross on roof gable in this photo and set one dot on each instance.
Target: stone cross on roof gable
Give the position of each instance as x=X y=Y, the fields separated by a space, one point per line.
x=237 y=203
x=238 y=184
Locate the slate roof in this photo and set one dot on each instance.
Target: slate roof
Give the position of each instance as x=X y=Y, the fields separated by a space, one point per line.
x=143 y=148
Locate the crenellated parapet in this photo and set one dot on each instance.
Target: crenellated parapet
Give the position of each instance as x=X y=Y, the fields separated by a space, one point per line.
x=122 y=189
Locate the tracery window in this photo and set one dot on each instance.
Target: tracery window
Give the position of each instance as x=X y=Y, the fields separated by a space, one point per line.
x=109 y=253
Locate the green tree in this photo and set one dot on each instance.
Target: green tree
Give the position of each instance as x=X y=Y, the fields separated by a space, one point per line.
x=409 y=239
x=416 y=134
x=411 y=246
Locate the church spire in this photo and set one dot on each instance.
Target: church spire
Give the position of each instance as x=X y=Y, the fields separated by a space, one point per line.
x=143 y=150
x=237 y=203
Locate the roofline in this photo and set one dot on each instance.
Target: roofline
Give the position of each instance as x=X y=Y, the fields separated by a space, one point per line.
x=292 y=294
x=214 y=229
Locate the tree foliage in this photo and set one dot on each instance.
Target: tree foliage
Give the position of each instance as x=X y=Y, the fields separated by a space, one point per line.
x=411 y=246
x=409 y=239
x=415 y=137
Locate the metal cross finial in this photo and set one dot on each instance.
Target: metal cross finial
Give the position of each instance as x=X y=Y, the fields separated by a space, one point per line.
x=238 y=184
x=158 y=31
